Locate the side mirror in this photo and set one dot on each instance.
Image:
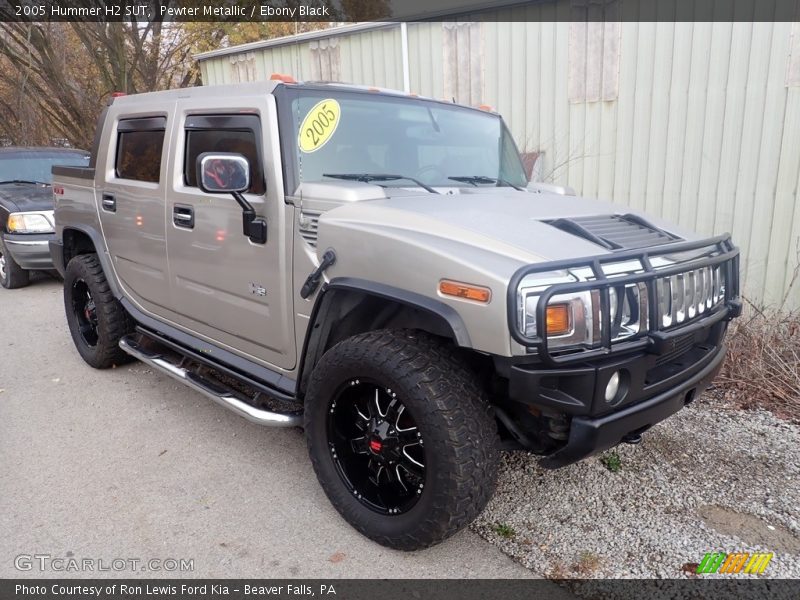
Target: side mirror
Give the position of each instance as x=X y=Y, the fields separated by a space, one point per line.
x=223 y=172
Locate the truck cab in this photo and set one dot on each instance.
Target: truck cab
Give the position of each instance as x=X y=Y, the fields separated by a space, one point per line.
x=375 y=267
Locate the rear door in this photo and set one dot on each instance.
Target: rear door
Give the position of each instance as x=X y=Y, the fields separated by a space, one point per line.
x=131 y=208
x=224 y=286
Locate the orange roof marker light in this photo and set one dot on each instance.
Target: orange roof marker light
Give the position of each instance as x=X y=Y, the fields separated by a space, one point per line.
x=486 y=107
x=282 y=77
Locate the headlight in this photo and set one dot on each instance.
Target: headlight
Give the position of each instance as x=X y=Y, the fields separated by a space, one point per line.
x=31 y=222
x=570 y=318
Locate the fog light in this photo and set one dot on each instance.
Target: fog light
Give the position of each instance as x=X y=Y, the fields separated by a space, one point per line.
x=612 y=387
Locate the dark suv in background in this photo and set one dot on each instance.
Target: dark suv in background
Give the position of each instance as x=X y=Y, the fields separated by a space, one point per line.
x=26 y=209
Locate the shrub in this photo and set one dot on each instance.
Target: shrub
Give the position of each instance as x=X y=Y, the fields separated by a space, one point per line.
x=762 y=369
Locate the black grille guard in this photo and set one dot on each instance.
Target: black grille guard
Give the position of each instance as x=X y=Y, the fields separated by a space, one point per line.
x=720 y=251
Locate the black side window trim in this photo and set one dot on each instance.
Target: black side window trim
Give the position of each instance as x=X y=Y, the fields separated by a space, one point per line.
x=224 y=122
x=135 y=125
x=142 y=124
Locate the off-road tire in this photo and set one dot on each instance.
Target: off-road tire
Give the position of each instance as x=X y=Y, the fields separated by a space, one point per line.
x=12 y=276
x=112 y=320
x=452 y=413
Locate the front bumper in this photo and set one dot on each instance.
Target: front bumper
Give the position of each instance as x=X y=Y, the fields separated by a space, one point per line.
x=589 y=436
x=579 y=390
x=29 y=251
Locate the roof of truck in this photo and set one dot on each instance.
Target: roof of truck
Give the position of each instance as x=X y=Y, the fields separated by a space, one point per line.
x=253 y=87
x=201 y=91
x=267 y=87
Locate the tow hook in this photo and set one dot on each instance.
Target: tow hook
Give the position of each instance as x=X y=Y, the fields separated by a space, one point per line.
x=632 y=438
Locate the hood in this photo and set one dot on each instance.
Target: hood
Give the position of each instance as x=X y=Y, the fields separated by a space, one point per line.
x=530 y=227
x=18 y=197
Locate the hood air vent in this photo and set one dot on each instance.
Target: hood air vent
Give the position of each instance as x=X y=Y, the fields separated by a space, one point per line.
x=615 y=232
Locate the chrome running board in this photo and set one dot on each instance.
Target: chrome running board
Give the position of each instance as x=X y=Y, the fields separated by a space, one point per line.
x=217 y=393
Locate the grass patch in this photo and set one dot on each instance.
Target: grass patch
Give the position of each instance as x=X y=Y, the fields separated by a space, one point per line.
x=504 y=531
x=588 y=563
x=612 y=462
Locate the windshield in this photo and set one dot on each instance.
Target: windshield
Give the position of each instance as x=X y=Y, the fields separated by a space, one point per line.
x=35 y=166
x=355 y=133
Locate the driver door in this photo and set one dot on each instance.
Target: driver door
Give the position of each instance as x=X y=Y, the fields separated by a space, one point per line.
x=225 y=287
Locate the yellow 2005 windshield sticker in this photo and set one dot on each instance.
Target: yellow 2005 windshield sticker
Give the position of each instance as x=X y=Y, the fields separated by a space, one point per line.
x=319 y=125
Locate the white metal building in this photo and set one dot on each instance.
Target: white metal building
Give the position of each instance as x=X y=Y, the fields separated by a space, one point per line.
x=697 y=122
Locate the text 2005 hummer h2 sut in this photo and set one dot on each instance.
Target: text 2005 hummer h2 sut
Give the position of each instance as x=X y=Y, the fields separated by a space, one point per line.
x=375 y=268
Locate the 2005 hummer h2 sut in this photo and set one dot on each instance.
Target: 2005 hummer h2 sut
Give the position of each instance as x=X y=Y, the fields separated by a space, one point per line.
x=375 y=268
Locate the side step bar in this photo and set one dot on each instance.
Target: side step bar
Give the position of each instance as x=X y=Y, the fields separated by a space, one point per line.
x=207 y=388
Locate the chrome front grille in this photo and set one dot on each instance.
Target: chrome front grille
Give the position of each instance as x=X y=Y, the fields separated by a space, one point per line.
x=308 y=224
x=684 y=296
x=679 y=297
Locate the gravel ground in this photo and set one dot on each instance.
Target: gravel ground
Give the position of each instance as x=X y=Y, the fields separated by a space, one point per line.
x=708 y=479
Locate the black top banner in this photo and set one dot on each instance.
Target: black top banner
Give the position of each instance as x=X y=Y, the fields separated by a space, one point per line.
x=397 y=10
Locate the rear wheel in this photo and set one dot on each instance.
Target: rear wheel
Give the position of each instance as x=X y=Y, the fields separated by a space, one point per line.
x=401 y=437
x=12 y=276
x=96 y=319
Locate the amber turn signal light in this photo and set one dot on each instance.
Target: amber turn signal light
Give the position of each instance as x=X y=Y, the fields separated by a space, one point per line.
x=558 y=319
x=465 y=290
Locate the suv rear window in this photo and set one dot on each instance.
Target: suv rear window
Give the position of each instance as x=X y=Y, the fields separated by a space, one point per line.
x=140 y=143
x=222 y=133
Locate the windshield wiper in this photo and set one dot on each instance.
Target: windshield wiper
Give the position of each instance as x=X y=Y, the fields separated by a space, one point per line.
x=476 y=179
x=24 y=181
x=370 y=177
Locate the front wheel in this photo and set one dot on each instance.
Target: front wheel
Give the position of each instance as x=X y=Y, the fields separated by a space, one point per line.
x=401 y=437
x=12 y=276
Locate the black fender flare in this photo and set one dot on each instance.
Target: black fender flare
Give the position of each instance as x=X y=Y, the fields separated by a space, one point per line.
x=313 y=346
x=57 y=251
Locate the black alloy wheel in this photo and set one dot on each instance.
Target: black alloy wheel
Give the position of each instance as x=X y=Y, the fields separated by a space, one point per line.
x=85 y=311
x=376 y=446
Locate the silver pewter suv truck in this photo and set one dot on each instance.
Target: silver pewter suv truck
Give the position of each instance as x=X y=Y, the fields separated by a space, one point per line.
x=375 y=268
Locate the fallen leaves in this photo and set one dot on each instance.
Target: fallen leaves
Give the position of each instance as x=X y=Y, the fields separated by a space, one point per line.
x=337 y=557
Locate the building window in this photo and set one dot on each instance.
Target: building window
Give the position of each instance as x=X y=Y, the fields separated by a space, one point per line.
x=594 y=40
x=463 y=62
x=326 y=60
x=139 y=146
x=243 y=67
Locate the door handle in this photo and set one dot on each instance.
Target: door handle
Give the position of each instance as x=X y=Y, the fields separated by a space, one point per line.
x=109 y=203
x=183 y=216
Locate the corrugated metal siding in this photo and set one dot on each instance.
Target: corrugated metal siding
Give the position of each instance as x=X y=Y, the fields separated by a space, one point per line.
x=704 y=130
